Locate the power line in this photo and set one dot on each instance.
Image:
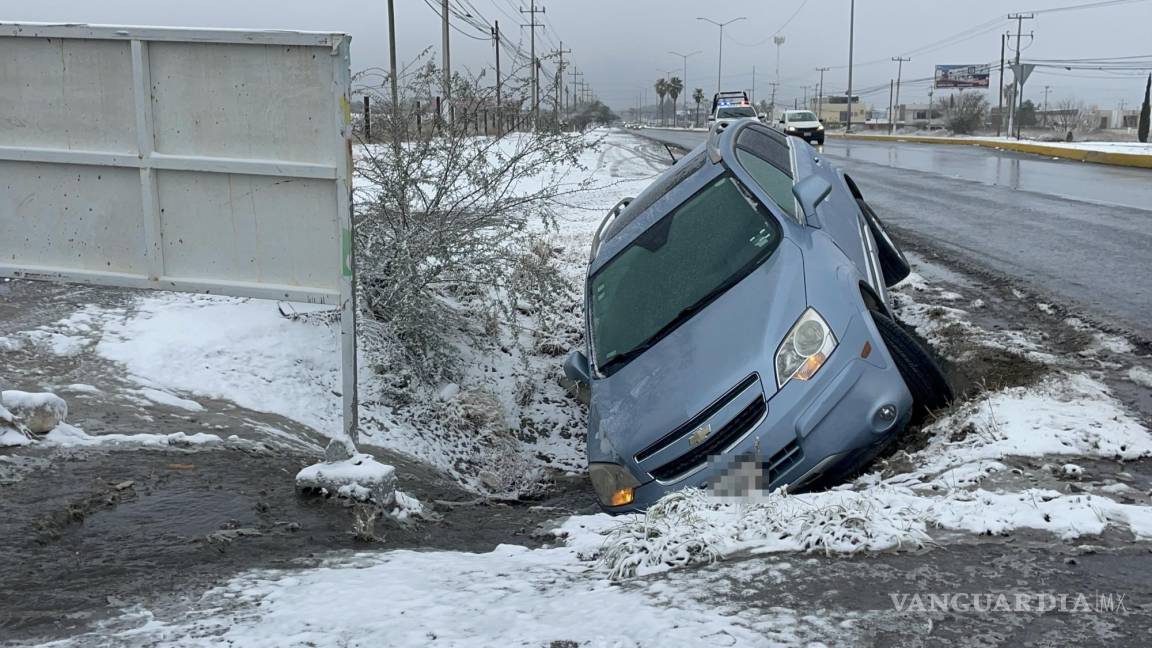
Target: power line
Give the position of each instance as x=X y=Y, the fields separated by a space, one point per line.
x=770 y=36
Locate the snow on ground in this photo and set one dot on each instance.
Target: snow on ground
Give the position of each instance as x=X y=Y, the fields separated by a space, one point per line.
x=67 y=436
x=583 y=590
x=359 y=477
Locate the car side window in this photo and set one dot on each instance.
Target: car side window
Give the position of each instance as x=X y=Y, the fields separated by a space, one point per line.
x=769 y=162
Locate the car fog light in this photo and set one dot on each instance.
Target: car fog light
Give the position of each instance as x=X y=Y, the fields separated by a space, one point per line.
x=614 y=485
x=887 y=413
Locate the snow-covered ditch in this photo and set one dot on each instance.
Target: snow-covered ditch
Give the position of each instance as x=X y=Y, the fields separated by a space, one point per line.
x=941 y=492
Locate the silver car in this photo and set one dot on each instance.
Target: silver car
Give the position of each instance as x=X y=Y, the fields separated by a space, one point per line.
x=737 y=313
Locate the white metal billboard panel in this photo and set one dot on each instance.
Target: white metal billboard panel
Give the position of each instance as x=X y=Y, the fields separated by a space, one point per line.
x=51 y=220
x=193 y=160
x=269 y=105
x=216 y=228
x=67 y=94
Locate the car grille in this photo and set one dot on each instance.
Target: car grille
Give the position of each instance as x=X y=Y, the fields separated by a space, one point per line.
x=698 y=420
x=783 y=461
x=714 y=444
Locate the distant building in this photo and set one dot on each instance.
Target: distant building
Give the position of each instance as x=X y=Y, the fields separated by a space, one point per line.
x=833 y=110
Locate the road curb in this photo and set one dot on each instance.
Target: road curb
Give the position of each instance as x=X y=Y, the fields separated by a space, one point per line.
x=1095 y=157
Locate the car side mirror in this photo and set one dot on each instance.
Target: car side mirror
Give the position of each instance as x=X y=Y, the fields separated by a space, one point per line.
x=810 y=192
x=820 y=120
x=578 y=371
x=781 y=121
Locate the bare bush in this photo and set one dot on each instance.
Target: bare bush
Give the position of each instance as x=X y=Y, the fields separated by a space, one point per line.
x=1069 y=116
x=453 y=223
x=964 y=112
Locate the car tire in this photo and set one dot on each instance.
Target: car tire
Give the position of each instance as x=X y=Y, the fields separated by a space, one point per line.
x=893 y=264
x=921 y=373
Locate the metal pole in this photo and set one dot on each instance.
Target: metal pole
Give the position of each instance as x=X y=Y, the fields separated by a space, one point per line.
x=899 y=71
x=447 y=56
x=1019 y=18
x=499 y=100
x=891 y=120
x=1000 y=105
x=851 y=44
x=720 y=60
x=367 y=119
x=392 y=57
x=820 y=96
x=720 y=55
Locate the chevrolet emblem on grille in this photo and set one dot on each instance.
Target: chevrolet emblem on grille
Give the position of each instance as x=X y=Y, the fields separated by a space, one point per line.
x=699 y=435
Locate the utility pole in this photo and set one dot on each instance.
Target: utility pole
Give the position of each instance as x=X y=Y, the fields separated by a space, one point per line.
x=720 y=53
x=899 y=71
x=753 y=86
x=1019 y=18
x=1000 y=108
x=805 y=89
x=820 y=93
x=772 y=102
x=851 y=44
x=1045 y=109
x=532 y=25
x=392 y=60
x=891 y=120
x=576 y=81
x=499 y=99
x=447 y=60
x=560 y=78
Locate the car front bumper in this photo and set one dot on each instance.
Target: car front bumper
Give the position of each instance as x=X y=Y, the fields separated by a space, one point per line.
x=826 y=427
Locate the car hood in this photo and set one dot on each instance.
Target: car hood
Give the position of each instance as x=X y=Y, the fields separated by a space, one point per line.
x=708 y=355
x=802 y=124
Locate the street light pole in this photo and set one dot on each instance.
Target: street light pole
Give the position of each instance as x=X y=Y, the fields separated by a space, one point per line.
x=851 y=38
x=684 y=79
x=779 y=40
x=720 y=54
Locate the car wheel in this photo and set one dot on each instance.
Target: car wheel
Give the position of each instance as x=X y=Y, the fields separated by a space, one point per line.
x=922 y=374
x=893 y=264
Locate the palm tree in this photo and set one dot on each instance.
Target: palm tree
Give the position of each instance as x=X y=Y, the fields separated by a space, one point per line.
x=698 y=97
x=661 y=90
x=675 y=87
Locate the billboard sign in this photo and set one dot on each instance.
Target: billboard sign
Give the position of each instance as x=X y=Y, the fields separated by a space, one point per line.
x=962 y=76
x=208 y=161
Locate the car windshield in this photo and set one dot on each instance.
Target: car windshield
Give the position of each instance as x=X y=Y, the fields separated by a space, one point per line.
x=803 y=116
x=677 y=267
x=735 y=112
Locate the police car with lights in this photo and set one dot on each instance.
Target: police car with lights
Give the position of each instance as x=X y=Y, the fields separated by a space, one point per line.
x=730 y=106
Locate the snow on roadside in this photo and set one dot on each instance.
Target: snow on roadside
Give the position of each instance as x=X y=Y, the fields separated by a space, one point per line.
x=511 y=596
x=67 y=436
x=1066 y=414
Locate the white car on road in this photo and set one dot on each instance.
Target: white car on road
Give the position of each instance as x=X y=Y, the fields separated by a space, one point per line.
x=803 y=124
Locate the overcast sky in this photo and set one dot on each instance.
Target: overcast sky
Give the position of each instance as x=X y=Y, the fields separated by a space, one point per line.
x=622 y=46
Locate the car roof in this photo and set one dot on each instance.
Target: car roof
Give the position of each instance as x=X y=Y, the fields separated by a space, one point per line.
x=675 y=185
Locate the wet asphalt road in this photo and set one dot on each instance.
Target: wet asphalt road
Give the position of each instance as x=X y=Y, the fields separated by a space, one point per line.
x=1079 y=234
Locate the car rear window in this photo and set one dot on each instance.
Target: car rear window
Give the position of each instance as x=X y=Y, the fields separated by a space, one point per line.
x=769 y=162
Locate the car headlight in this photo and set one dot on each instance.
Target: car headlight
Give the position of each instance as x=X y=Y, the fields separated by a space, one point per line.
x=614 y=485
x=805 y=348
x=820 y=127
x=791 y=128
